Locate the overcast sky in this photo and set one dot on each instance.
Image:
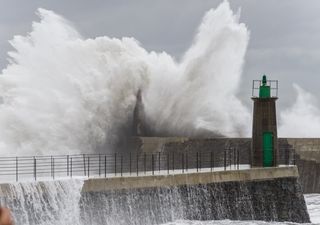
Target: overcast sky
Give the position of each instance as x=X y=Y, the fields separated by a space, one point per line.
x=284 y=44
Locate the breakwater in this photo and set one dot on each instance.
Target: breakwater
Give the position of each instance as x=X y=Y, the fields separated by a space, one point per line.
x=271 y=194
x=304 y=152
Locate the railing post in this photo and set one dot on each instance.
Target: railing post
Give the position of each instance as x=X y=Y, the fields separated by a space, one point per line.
x=197 y=161
x=187 y=161
x=71 y=167
x=105 y=165
x=225 y=159
x=145 y=163
x=173 y=162
x=168 y=161
x=53 y=168
x=152 y=162
x=159 y=164
x=121 y=162
x=238 y=158
x=99 y=165
x=88 y=166
x=130 y=162
x=234 y=158
x=34 y=168
x=200 y=163
x=182 y=162
x=213 y=165
x=137 y=163
x=17 y=172
x=211 y=160
x=84 y=164
x=230 y=158
x=67 y=165
x=115 y=164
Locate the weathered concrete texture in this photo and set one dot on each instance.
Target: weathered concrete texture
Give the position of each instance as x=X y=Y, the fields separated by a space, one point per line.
x=307 y=159
x=278 y=199
x=309 y=175
x=307 y=148
x=116 y=183
x=192 y=145
x=153 y=144
x=256 y=194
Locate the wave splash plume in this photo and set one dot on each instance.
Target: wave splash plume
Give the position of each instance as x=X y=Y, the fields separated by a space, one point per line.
x=62 y=93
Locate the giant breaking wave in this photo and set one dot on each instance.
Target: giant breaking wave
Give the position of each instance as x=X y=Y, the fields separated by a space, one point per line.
x=62 y=93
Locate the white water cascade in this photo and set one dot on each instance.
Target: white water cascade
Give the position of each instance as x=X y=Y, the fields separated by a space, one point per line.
x=61 y=202
x=43 y=203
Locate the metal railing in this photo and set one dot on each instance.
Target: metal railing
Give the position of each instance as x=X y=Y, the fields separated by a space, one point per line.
x=273 y=84
x=127 y=164
x=117 y=164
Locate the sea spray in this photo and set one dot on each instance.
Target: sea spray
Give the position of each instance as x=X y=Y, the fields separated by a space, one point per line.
x=62 y=93
x=302 y=119
x=200 y=93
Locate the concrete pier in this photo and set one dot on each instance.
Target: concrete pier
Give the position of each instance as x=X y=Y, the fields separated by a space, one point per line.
x=269 y=194
x=132 y=182
x=307 y=152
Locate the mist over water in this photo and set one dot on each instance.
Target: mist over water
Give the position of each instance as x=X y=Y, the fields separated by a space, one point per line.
x=62 y=93
x=302 y=119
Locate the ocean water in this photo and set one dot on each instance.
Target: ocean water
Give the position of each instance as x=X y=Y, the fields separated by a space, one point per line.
x=313 y=204
x=222 y=222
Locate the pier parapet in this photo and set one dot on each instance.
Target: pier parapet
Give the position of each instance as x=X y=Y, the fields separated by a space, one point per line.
x=269 y=194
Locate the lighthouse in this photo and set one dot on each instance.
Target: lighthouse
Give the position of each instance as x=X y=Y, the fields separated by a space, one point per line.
x=264 y=149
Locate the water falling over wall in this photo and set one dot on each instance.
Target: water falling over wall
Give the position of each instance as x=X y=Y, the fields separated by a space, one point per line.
x=43 y=203
x=61 y=202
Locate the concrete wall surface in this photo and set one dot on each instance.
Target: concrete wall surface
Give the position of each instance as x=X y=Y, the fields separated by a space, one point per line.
x=116 y=183
x=271 y=194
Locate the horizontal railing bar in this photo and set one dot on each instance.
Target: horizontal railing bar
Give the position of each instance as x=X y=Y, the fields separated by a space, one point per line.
x=117 y=164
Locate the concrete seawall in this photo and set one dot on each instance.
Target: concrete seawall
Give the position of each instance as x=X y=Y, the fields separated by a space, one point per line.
x=307 y=160
x=117 y=183
x=270 y=194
